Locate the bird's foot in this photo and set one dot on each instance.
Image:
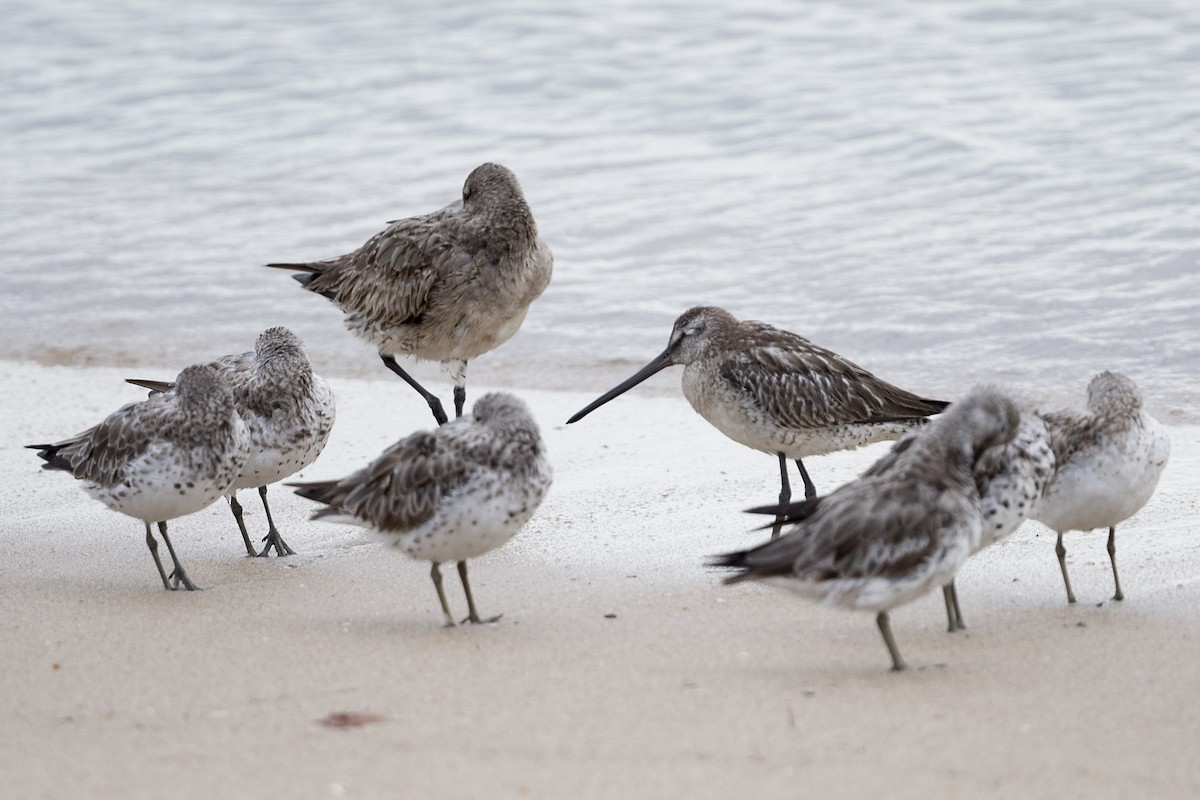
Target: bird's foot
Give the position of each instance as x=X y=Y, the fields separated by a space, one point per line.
x=273 y=539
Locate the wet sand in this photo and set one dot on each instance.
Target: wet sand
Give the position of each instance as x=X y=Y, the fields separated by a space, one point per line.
x=621 y=667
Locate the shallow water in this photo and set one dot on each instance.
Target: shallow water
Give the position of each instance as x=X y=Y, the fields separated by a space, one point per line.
x=943 y=192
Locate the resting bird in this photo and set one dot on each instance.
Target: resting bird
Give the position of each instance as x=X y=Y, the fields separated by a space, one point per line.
x=162 y=458
x=449 y=494
x=1107 y=463
x=448 y=286
x=888 y=537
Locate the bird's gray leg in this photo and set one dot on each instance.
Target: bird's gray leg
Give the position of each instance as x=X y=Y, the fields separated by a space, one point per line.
x=472 y=614
x=178 y=576
x=236 y=508
x=953 y=612
x=435 y=405
x=460 y=400
x=785 y=495
x=436 y=574
x=1112 y=556
x=273 y=539
x=810 y=490
x=1062 y=564
x=153 y=545
x=885 y=627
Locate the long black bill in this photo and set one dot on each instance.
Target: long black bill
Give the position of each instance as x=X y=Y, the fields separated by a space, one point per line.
x=657 y=365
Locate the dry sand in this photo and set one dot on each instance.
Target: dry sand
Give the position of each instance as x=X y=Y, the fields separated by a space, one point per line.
x=621 y=667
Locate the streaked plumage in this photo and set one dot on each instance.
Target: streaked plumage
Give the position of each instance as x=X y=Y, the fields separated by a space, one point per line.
x=449 y=494
x=162 y=458
x=892 y=535
x=1108 y=461
x=1010 y=479
x=777 y=392
x=448 y=286
x=288 y=410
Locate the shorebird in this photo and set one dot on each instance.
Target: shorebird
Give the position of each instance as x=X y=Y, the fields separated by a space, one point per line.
x=288 y=410
x=887 y=538
x=450 y=494
x=1009 y=478
x=448 y=286
x=162 y=458
x=777 y=392
x=1107 y=464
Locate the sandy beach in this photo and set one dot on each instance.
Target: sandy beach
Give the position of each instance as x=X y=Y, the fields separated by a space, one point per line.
x=621 y=667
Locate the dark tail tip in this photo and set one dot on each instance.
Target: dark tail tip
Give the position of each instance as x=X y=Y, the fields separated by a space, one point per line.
x=49 y=454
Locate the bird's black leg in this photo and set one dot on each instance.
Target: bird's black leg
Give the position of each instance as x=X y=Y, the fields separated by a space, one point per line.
x=178 y=576
x=885 y=627
x=810 y=491
x=435 y=405
x=460 y=400
x=236 y=508
x=153 y=545
x=785 y=495
x=472 y=614
x=273 y=539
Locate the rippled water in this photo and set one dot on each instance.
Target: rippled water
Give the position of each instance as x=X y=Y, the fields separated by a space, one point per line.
x=944 y=192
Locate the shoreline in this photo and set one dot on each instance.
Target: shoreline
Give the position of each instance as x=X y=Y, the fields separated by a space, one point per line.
x=119 y=689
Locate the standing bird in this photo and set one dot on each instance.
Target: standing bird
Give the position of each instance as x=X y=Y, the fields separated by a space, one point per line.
x=777 y=392
x=1107 y=464
x=889 y=537
x=449 y=494
x=288 y=410
x=162 y=458
x=1009 y=478
x=447 y=286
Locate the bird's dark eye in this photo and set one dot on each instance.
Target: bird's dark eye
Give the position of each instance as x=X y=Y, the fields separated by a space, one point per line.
x=466 y=194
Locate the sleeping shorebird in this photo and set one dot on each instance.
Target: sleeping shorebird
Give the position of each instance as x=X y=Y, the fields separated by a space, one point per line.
x=1108 y=461
x=887 y=538
x=447 y=286
x=288 y=410
x=449 y=494
x=1009 y=478
x=162 y=458
x=777 y=392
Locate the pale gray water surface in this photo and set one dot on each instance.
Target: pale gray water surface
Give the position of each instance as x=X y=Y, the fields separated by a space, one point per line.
x=945 y=192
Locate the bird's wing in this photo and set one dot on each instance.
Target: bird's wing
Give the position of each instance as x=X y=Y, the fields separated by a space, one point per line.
x=401 y=489
x=801 y=385
x=391 y=276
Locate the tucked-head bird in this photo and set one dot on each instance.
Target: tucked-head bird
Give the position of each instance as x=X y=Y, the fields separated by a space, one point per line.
x=889 y=537
x=449 y=494
x=1107 y=463
x=1009 y=478
x=777 y=392
x=447 y=286
x=162 y=458
x=288 y=410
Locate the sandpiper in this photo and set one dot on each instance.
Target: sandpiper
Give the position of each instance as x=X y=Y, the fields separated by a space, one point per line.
x=449 y=494
x=162 y=458
x=887 y=538
x=777 y=392
x=1010 y=479
x=447 y=286
x=288 y=410
x=1107 y=463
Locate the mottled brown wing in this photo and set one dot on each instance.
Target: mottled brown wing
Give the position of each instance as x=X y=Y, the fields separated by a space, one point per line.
x=402 y=488
x=390 y=277
x=801 y=385
x=101 y=453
